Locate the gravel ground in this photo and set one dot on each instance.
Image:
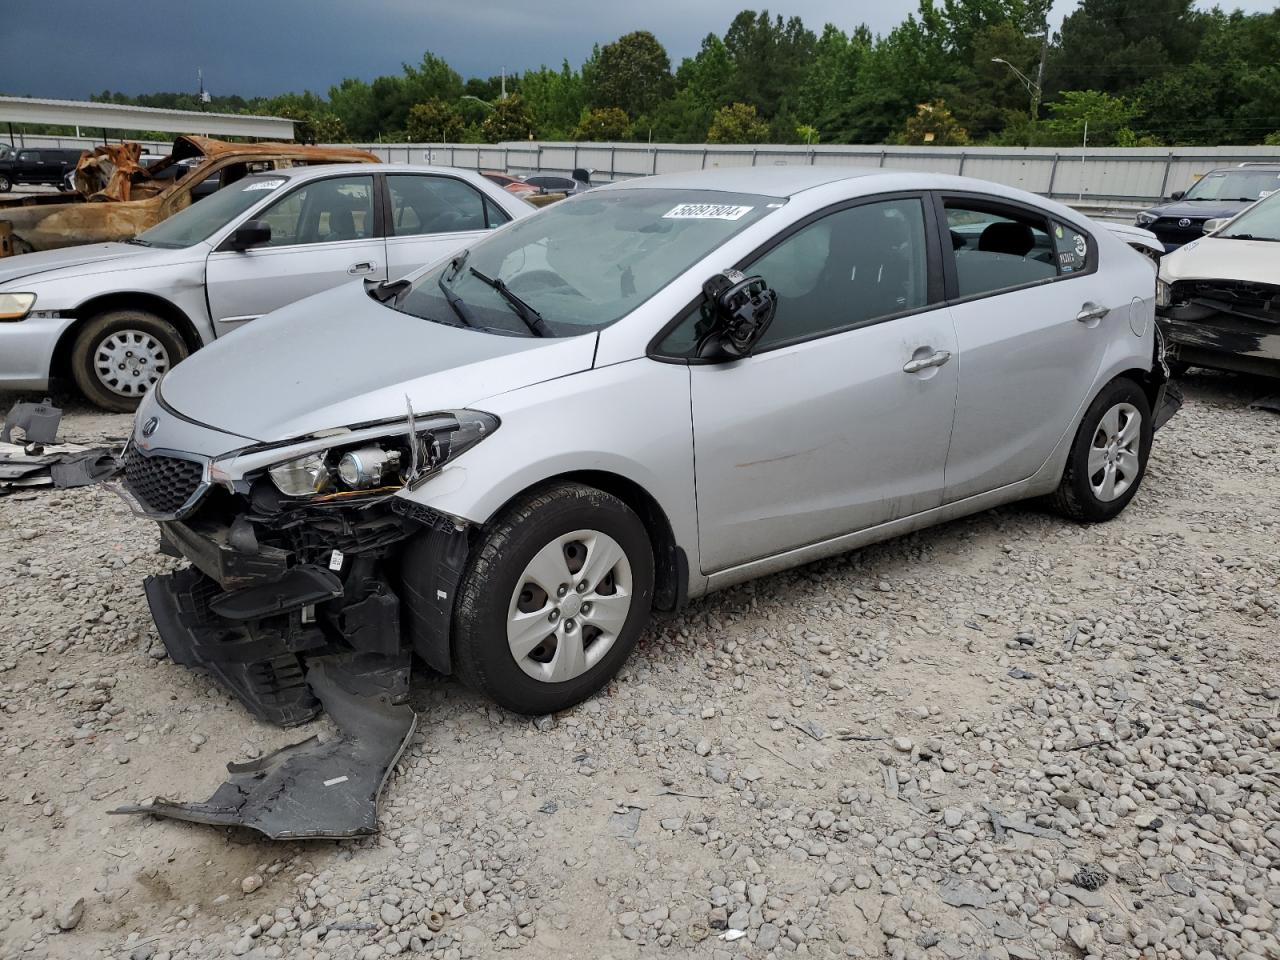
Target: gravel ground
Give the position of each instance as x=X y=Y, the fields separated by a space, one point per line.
x=1006 y=737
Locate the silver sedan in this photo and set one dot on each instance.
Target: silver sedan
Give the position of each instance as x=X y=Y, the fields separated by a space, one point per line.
x=644 y=393
x=115 y=316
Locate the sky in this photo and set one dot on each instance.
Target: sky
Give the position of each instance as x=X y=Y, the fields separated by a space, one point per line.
x=265 y=47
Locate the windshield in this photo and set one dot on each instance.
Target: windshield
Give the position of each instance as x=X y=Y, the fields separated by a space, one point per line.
x=1260 y=222
x=1239 y=184
x=198 y=221
x=582 y=263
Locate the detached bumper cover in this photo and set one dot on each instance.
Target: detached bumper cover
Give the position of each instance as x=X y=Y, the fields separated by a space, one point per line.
x=314 y=790
x=1200 y=328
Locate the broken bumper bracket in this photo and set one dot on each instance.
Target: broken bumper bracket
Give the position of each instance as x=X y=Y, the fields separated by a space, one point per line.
x=314 y=789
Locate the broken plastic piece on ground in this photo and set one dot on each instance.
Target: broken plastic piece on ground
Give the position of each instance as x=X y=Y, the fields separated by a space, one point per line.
x=56 y=465
x=37 y=421
x=314 y=790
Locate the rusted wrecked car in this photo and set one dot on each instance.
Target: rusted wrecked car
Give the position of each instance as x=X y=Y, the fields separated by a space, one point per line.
x=117 y=197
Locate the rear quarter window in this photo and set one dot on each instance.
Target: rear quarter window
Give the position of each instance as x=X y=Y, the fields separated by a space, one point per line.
x=1072 y=249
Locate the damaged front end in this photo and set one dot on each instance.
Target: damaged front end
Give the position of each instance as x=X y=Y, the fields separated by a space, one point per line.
x=1227 y=324
x=311 y=585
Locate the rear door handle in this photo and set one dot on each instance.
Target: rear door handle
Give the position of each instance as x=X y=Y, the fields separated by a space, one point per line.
x=1091 y=311
x=365 y=266
x=924 y=363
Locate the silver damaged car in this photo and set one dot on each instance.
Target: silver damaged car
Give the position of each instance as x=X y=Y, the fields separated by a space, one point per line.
x=504 y=464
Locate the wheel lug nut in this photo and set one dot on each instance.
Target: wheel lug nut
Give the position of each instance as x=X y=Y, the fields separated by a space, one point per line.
x=562 y=591
x=586 y=609
x=582 y=587
x=568 y=624
x=554 y=616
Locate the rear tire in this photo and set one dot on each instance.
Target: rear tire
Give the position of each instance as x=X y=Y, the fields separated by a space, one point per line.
x=1108 y=457
x=514 y=640
x=120 y=354
x=5 y=183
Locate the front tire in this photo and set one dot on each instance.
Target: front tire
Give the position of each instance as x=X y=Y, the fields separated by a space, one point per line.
x=119 y=356
x=1108 y=457
x=553 y=599
x=5 y=183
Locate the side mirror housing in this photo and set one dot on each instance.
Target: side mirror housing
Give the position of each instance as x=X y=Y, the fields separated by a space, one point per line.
x=741 y=310
x=251 y=233
x=1177 y=195
x=1216 y=223
x=582 y=175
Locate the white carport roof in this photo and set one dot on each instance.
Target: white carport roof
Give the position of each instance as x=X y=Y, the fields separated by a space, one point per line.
x=117 y=116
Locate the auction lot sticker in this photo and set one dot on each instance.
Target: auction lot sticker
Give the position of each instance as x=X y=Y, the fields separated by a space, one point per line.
x=706 y=211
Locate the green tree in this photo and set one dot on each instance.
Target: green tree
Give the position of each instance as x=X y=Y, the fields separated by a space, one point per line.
x=434 y=121
x=556 y=98
x=737 y=123
x=769 y=58
x=509 y=120
x=633 y=73
x=933 y=124
x=603 y=124
x=1108 y=119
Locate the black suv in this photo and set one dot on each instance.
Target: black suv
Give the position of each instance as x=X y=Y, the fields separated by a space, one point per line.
x=1219 y=193
x=37 y=166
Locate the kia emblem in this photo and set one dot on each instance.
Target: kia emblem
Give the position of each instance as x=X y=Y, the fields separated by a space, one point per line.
x=1184 y=222
x=149 y=427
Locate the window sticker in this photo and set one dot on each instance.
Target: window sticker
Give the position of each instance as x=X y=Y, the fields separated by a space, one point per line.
x=1082 y=247
x=706 y=211
x=263 y=185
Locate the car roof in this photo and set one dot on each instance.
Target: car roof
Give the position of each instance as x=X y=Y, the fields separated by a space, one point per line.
x=317 y=170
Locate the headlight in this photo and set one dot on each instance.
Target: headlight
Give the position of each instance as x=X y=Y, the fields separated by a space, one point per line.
x=1146 y=218
x=1164 y=296
x=15 y=306
x=335 y=469
x=302 y=477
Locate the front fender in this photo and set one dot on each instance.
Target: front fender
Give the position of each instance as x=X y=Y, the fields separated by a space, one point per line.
x=630 y=419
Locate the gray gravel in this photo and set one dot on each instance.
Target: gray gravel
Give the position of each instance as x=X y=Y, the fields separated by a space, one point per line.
x=1007 y=737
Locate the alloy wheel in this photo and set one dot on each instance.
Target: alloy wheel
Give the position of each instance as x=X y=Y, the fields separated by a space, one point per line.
x=1115 y=453
x=129 y=362
x=569 y=606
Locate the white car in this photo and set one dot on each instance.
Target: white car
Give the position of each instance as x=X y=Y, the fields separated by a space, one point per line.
x=115 y=316
x=1218 y=298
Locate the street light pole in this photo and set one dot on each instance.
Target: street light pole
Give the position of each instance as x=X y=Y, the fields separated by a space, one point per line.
x=1032 y=86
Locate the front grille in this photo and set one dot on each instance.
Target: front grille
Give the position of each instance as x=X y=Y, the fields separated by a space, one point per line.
x=162 y=484
x=1169 y=231
x=1261 y=300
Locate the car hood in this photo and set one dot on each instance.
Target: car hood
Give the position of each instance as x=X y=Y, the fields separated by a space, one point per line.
x=1209 y=258
x=341 y=358
x=44 y=261
x=1200 y=209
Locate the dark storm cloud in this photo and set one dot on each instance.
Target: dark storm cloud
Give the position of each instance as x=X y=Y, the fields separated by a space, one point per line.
x=72 y=48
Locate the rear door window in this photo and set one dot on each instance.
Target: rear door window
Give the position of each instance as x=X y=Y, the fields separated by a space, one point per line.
x=423 y=204
x=997 y=248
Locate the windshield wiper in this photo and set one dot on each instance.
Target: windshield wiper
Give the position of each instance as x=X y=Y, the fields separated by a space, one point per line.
x=384 y=290
x=531 y=317
x=454 y=301
x=1248 y=236
x=136 y=242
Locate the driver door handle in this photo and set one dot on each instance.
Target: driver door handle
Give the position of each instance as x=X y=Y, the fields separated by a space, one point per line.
x=924 y=363
x=364 y=266
x=1091 y=311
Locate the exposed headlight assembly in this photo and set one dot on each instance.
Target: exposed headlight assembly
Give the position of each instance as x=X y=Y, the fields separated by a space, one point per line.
x=369 y=463
x=1146 y=218
x=15 y=306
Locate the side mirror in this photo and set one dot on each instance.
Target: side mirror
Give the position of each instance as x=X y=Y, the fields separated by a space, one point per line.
x=1216 y=223
x=251 y=233
x=1177 y=195
x=582 y=175
x=741 y=309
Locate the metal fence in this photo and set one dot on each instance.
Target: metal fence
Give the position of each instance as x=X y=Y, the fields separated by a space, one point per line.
x=1083 y=176
x=1110 y=174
